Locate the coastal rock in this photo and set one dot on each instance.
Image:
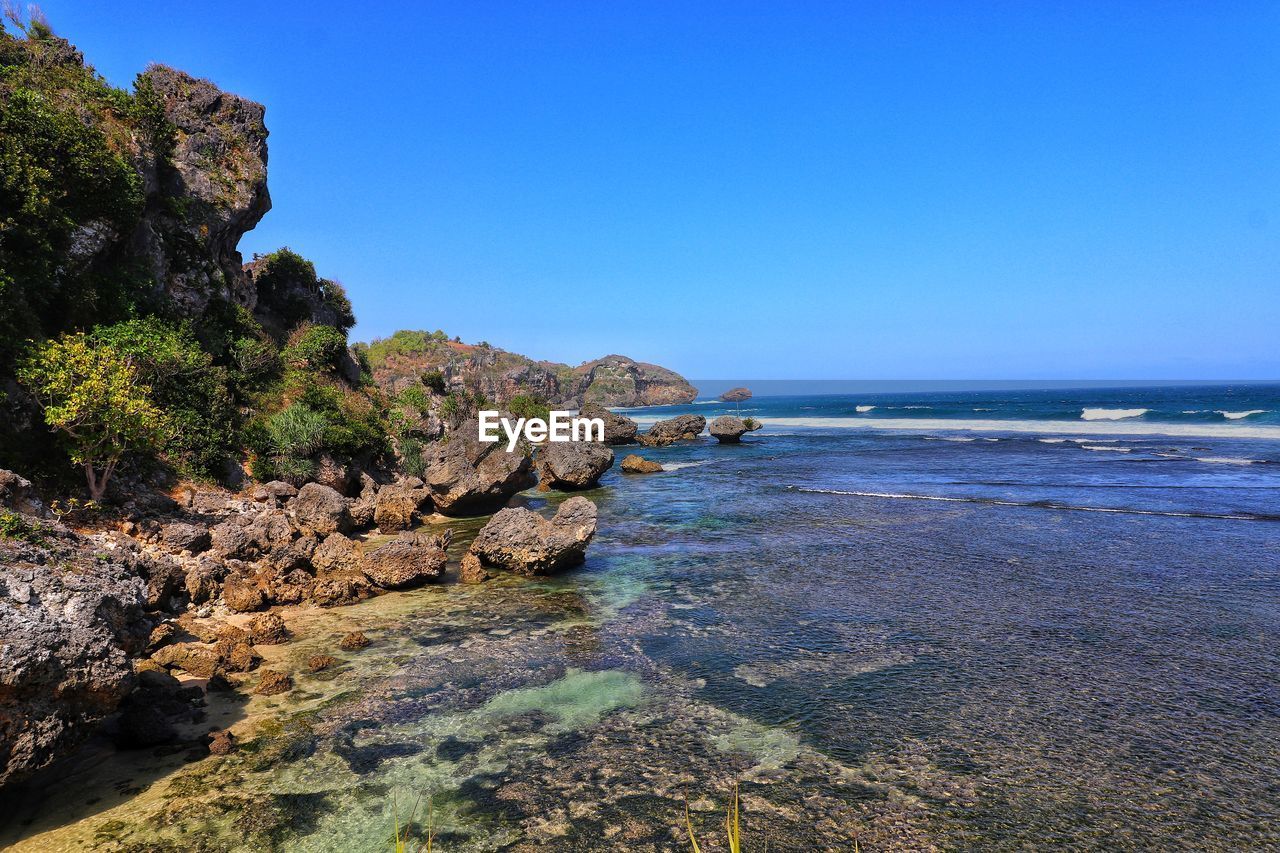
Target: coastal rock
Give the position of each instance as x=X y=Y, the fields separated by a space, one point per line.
x=466 y=476
x=267 y=629
x=242 y=593
x=198 y=659
x=181 y=536
x=222 y=742
x=276 y=492
x=618 y=429
x=271 y=683
x=521 y=541
x=352 y=641
x=572 y=464
x=634 y=464
x=736 y=395
x=319 y=663
x=337 y=553
x=204 y=580
x=320 y=510
x=472 y=570
x=727 y=429
x=396 y=507
x=70 y=617
x=680 y=428
x=408 y=560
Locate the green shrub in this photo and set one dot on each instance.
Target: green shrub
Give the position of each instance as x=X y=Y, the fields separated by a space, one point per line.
x=287 y=284
x=15 y=527
x=318 y=348
x=529 y=406
x=434 y=382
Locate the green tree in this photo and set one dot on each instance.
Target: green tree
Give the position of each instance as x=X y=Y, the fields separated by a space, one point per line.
x=92 y=395
x=192 y=391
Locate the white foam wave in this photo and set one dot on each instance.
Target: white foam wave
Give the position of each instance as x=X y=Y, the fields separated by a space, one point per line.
x=951 y=438
x=1235 y=416
x=676 y=466
x=1111 y=414
x=1038 y=505
x=1102 y=429
x=1053 y=440
x=862 y=409
x=1225 y=460
x=1105 y=447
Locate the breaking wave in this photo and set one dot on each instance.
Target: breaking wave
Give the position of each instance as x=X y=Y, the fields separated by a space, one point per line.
x=1111 y=414
x=863 y=409
x=1235 y=416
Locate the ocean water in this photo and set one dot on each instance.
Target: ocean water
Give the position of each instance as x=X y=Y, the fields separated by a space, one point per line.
x=883 y=625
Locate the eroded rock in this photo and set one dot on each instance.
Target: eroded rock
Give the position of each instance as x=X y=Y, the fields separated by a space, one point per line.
x=521 y=541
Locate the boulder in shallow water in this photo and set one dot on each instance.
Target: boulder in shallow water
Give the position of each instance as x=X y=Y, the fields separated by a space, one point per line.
x=395 y=507
x=466 y=476
x=521 y=541
x=408 y=560
x=729 y=430
x=680 y=428
x=572 y=465
x=618 y=429
x=634 y=464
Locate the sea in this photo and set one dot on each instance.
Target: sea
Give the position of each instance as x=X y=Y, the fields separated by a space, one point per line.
x=1012 y=619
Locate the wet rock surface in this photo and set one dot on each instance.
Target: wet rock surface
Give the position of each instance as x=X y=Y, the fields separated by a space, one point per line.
x=635 y=464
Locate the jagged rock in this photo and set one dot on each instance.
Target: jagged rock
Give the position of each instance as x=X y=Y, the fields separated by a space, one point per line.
x=633 y=464
x=352 y=641
x=289 y=587
x=472 y=570
x=219 y=171
x=204 y=580
x=198 y=659
x=243 y=594
x=164 y=577
x=467 y=476
x=70 y=617
x=160 y=635
x=319 y=663
x=181 y=536
x=396 y=507
x=521 y=541
x=320 y=510
x=727 y=429
x=571 y=465
x=618 y=429
x=296 y=554
x=332 y=473
x=229 y=540
x=276 y=492
x=337 y=553
x=332 y=589
x=271 y=683
x=408 y=560
x=267 y=629
x=222 y=742
x=679 y=428
x=736 y=395
x=364 y=506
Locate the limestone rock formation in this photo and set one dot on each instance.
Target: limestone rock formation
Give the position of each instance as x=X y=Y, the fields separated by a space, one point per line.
x=466 y=476
x=572 y=465
x=71 y=613
x=729 y=430
x=736 y=395
x=679 y=428
x=408 y=560
x=321 y=510
x=521 y=541
x=618 y=429
x=634 y=464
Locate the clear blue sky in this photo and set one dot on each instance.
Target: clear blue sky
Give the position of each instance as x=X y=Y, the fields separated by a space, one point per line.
x=769 y=190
